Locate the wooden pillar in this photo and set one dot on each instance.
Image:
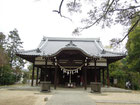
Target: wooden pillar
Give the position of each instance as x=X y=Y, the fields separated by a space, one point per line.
x=95 y=70
x=49 y=75
x=108 y=81
x=103 y=77
x=32 y=82
x=45 y=77
x=85 y=74
x=55 y=74
x=41 y=74
x=37 y=72
x=99 y=75
x=91 y=74
x=85 y=77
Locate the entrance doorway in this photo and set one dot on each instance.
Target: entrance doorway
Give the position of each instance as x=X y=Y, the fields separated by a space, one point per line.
x=70 y=63
x=71 y=79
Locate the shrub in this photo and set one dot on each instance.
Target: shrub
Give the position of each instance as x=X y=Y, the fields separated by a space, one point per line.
x=120 y=76
x=7 y=76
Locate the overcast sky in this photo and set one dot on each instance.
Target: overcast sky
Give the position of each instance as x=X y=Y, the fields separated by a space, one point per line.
x=35 y=19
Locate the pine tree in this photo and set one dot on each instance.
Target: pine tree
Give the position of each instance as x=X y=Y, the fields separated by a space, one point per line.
x=14 y=44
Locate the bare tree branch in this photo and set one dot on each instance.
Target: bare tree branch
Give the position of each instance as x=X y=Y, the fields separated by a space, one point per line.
x=60 y=7
x=59 y=11
x=106 y=12
x=107 y=9
x=136 y=1
x=130 y=30
x=80 y=29
x=132 y=7
x=136 y=14
x=74 y=3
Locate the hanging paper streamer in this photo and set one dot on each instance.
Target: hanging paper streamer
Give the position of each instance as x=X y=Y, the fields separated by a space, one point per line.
x=67 y=73
x=70 y=71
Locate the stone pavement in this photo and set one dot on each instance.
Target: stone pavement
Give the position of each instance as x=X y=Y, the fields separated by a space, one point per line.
x=70 y=97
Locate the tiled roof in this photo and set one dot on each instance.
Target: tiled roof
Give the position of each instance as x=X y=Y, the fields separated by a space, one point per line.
x=51 y=46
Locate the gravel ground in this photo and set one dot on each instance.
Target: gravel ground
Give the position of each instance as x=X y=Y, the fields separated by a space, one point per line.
x=114 y=104
x=14 y=97
x=112 y=98
x=22 y=97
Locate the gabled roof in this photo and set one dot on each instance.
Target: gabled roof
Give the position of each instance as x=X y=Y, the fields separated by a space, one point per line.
x=51 y=46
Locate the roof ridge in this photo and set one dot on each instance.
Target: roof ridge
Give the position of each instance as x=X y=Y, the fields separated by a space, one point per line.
x=118 y=53
x=23 y=51
x=43 y=44
x=98 y=46
x=72 y=38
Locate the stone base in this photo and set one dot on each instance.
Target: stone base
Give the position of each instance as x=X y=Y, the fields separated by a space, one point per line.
x=45 y=86
x=95 y=87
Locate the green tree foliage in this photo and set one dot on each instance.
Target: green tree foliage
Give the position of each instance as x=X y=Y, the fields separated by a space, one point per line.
x=134 y=78
x=13 y=46
x=119 y=70
x=121 y=78
x=10 y=64
x=26 y=76
x=7 y=76
x=17 y=72
x=2 y=40
x=128 y=69
x=30 y=68
x=3 y=55
x=133 y=47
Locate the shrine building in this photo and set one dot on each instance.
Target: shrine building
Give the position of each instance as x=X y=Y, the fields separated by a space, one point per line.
x=70 y=61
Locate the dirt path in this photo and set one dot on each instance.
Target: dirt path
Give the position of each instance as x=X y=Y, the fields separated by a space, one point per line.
x=67 y=97
x=14 y=97
x=112 y=98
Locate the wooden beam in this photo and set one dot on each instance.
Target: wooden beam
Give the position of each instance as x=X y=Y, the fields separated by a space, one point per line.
x=37 y=72
x=32 y=82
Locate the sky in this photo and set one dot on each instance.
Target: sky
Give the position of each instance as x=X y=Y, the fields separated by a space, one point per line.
x=34 y=19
